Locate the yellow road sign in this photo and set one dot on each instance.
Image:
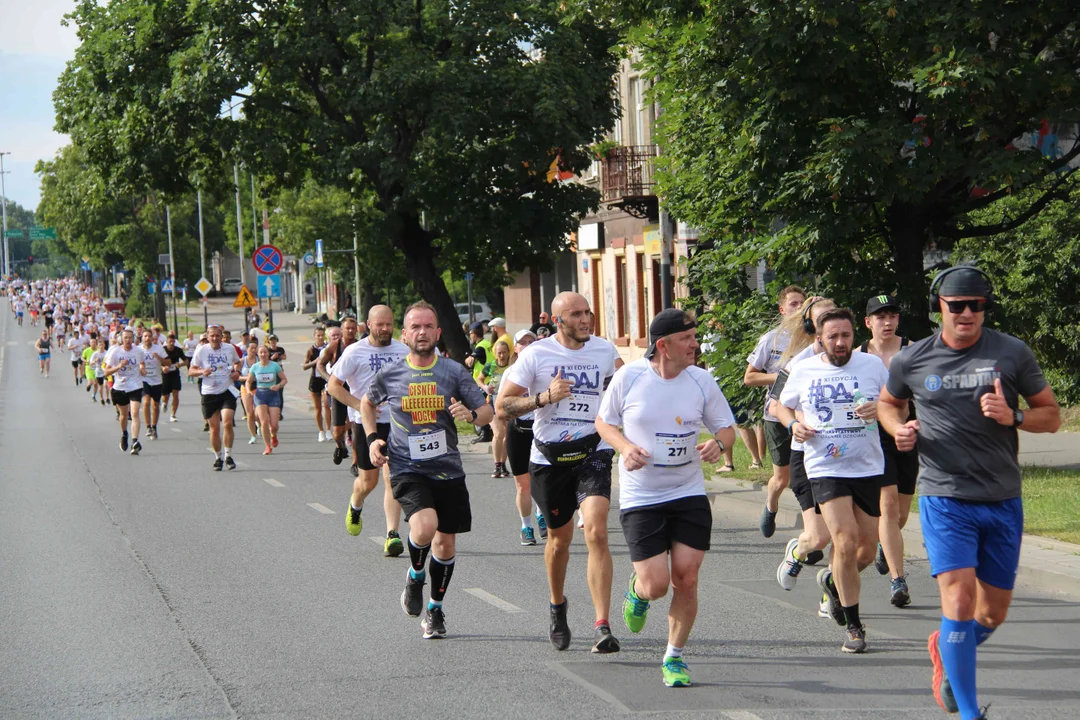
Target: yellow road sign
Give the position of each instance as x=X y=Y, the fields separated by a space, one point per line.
x=245 y=299
x=203 y=286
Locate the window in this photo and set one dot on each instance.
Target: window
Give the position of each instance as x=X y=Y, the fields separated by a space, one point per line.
x=622 y=315
x=639 y=274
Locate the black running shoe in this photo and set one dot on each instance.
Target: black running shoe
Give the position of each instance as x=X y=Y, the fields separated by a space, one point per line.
x=768 y=522
x=412 y=597
x=813 y=557
x=339 y=454
x=355 y=470
x=605 y=642
x=124 y=442
x=206 y=426
x=880 y=562
x=218 y=464
x=560 y=629
x=828 y=586
x=136 y=447
x=229 y=462
x=434 y=623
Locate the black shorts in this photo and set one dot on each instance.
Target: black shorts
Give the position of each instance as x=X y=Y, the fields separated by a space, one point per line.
x=212 y=404
x=864 y=491
x=449 y=499
x=120 y=398
x=316 y=384
x=171 y=381
x=339 y=413
x=363 y=451
x=778 y=439
x=800 y=484
x=518 y=447
x=152 y=391
x=652 y=530
x=76 y=363
x=559 y=491
x=901 y=470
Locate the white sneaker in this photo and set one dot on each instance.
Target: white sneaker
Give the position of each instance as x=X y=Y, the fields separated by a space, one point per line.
x=172 y=418
x=787 y=573
x=823 y=608
x=580 y=520
x=322 y=436
x=253 y=440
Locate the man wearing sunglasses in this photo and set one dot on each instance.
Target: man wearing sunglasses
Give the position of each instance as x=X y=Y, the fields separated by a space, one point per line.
x=966 y=381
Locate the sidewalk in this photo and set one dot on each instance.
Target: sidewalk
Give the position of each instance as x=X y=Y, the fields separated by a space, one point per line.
x=1044 y=563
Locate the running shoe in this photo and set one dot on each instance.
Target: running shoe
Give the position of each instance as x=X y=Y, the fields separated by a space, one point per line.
x=273 y=441
x=813 y=557
x=153 y=432
x=855 y=642
x=434 y=623
x=339 y=454
x=355 y=470
x=393 y=545
x=787 y=572
x=102 y=401
x=528 y=536
x=497 y=473
x=940 y=682
x=218 y=465
x=354 y=521
x=828 y=586
x=899 y=595
x=880 y=562
x=823 y=607
x=676 y=674
x=267 y=451
x=206 y=427
x=541 y=525
x=253 y=440
x=229 y=462
x=768 y=522
x=322 y=436
x=136 y=447
x=412 y=597
x=172 y=418
x=604 y=643
x=634 y=609
x=124 y=442
x=559 y=634
x=580 y=520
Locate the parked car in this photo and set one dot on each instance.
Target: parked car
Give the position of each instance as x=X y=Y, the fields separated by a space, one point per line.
x=481 y=311
x=231 y=286
x=115 y=304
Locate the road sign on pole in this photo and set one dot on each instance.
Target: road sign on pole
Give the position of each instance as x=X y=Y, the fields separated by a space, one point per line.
x=318 y=253
x=267 y=260
x=15 y=234
x=245 y=299
x=309 y=259
x=42 y=233
x=270 y=286
x=167 y=286
x=203 y=286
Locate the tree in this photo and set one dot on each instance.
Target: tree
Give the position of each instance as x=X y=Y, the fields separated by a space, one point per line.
x=445 y=114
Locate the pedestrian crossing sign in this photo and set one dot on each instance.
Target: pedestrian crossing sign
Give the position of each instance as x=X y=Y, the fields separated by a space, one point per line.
x=245 y=299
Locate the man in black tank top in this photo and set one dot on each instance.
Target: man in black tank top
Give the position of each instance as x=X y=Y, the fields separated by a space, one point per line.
x=901 y=468
x=339 y=412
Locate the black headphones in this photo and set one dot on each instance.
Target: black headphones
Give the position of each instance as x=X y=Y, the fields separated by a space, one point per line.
x=807 y=321
x=935 y=299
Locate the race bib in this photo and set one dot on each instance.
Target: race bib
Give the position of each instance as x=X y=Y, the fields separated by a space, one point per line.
x=581 y=406
x=670 y=450
x=265 y=377
x=427 y=446
x=839 y=416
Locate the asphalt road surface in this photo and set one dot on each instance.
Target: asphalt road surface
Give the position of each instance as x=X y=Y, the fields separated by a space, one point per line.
x=152 y=586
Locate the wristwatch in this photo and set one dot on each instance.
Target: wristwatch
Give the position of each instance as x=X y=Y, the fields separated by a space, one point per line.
x=1018 y=418
x=474 y=416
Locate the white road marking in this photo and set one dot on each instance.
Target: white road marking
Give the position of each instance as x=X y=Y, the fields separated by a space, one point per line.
x=740 y=715
x=272 y=482
x=493 y=600
x=604 y=695
x=377 y=540
x=321 y=508
x=176 y=429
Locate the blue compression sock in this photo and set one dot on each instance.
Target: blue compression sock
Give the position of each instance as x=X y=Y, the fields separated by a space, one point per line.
x=982 y=633
x=957 y=645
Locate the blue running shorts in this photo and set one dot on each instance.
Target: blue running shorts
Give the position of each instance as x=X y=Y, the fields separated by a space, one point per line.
x=963 y=534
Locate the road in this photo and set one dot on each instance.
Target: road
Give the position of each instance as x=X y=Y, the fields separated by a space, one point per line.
x=152 y=586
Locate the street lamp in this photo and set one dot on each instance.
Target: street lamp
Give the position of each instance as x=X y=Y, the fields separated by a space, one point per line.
x=3 y=203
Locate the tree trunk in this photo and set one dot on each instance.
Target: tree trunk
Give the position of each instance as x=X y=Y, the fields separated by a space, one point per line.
x=415 y=243
x=910 y=232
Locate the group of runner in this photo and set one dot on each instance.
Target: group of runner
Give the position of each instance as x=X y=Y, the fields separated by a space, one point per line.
x=840 y=423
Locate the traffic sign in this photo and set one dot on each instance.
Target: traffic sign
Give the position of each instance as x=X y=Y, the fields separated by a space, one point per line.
x=14 y=234
x=42 y=233
x=84 y=266
x=163 y=259
x=151 y=287
x=203 y=286
x=318 y=253
x=166 y=286
x=270 y=286
x=470 y=276
x=245 y=299
x=267 y=260
x=309 y=259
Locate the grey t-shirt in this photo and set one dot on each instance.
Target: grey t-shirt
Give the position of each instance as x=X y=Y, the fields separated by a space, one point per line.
x=963 y=454
x=423 y=436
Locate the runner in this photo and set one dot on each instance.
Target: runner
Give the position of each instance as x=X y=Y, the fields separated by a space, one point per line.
x=247 y=393
x=190 y=343
x=353 y=373
x=265 y=382
x=662 y=402
x=97 y=360
x=339 y=416
x=901 y=469
x=967 y=381
x=761 y=368
x=519 y=440
x=122 y=363
x=20 y=308
x=562 y=379
x=425 y=466
x=44 y=353
x=837 y=393
x=218 y=365
x=277 y=354
x=172 y=382
x=316 y=385
x=488 y=381
x=155 y=360
x=75 y=347
x=88 y=368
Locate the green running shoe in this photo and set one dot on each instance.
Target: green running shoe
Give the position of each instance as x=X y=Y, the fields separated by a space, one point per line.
x=676 y=674
x=634 y=609
x=354 y=522
x=393 y=545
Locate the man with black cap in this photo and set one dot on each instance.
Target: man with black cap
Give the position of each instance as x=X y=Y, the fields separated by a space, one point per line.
x=661 y=403
x=967 y=382
x=901 y=469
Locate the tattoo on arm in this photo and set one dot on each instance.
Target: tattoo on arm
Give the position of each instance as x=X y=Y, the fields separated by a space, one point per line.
x=518 y=406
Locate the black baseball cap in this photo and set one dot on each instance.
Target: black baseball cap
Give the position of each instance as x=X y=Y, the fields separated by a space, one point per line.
x=667 y=322
x=880 y=302
x=477 y=327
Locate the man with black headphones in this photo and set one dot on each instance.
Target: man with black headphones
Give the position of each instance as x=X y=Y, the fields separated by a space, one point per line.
x=967 y=381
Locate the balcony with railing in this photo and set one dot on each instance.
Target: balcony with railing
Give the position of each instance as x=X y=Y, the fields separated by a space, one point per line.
x=627 y=180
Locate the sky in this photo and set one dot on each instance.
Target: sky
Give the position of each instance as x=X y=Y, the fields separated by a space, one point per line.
x=34 y=48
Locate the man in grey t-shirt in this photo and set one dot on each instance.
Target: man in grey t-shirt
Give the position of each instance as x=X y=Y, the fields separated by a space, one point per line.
x=967 y=381
x=425 y=466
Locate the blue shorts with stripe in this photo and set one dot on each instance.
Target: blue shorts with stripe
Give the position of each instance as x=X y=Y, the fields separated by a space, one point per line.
x=982 y=535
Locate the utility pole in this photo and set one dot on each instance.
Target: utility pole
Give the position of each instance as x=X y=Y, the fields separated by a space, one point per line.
x=202 y=257
x=239 y=221
x=666 y=246
x=3 y=202
x=172 y=269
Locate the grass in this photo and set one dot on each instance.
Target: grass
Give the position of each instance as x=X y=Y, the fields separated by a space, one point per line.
x=1070 y=419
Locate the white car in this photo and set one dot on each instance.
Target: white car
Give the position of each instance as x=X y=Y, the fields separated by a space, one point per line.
x=231 y=286
x=481 y=311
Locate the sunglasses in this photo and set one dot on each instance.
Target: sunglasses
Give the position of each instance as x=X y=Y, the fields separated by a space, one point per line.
x=956 y=307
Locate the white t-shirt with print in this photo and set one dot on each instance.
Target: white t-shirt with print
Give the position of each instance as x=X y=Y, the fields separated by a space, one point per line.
x=663 y=417
x=220 y=362
x=766 y=355
x=127 y=378
x=358 y=364
x=152 y=357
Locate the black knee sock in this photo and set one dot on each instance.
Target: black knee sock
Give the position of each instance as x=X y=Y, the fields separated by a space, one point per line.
x=418 y=556
x=441 y=571
x=852 y=614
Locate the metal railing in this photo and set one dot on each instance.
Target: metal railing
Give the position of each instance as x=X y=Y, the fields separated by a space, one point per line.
x=627 y=172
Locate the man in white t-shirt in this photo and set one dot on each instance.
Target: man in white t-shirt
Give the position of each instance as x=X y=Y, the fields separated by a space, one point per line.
x=837 y=392
x=218 y=364
x=561 y=379
x=123 y=360
x=155 y=360
x=75 y=346
x=357 y=367
x=662 y=403
x=190 y=343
